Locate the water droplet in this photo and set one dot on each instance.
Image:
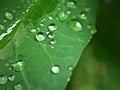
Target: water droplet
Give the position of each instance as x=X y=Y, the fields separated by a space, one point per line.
x=33 y=30
x=55 y=69
x=18 y=87
x=71 y=4
x=75 y=25
x=11 y=77
x=52 y=41
x=70 y=68
x=1 y=27
x=93 y=31
x=62 y=16
x=83 y=16
x=68 y=79
x=3 y=79
x=52 y=27
x=41 y=24
x=51 y=35
x=40 y=36
x=19 y=66
x=50 y=17
x=8 y=15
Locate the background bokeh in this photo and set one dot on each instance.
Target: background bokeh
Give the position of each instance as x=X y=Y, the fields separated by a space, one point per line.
x=99 y=65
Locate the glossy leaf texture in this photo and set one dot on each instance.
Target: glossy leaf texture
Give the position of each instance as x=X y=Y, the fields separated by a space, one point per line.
x=41 y=41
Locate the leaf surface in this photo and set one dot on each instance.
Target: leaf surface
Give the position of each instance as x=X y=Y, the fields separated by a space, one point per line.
x=39 y=61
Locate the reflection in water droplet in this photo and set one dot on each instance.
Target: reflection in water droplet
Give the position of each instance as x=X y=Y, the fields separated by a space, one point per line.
x=52 y=41
x=3 y=79
x=55 y=69
x=1 y=27
x=71 y=4
x=18 y=87
x=19 y=66
x=11 y=77
x=52 y=27
x=62 y=16
x=33 y=30
x=8 y=16
x=82 y=16
x=75 y=25
x=51 y=35
x=40 y=36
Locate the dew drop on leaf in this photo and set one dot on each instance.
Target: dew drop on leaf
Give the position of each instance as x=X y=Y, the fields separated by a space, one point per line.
x=8 y=16
x=71 y=4
x=83 y=16
x=50 y=17
x=18 y=87
x=19 y=66
x=68 y=79
x=3 y=79
x=70 y=68
x=1 y=27
x=55 y=69
x=75 y=25
x=52 y=27
x=41 y=24
x=93 y=31
x=51 y=35
x=62 y=15
x=33 y=30
x=40 y=36
x=11 y=77
x=52 y=41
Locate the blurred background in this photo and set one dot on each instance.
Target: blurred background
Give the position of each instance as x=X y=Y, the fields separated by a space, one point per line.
x=99 y=65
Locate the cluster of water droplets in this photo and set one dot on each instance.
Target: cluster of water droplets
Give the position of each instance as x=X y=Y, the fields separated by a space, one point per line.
x=41 y=36
x=75 y=24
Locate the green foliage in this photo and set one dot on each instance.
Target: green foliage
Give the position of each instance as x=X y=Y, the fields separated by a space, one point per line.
x=41 y=41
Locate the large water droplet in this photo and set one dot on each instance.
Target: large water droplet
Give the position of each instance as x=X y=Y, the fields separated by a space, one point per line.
x=11 y=77
x=52 y=27
x=62 y=15
x=40 y=36
x=8 y=16
x=52 y=41
x=3 y=79
x=18 y=87
x=55 y=69
x=19 y=66
x=82 y=16
x=1 y=27
x=75 y=25
x=51 y=35
x=71 y=4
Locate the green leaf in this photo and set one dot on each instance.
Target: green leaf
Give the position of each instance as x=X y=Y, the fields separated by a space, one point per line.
x=44 y=43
